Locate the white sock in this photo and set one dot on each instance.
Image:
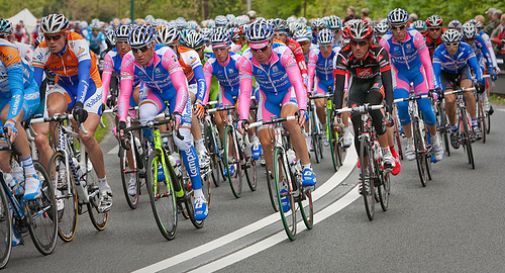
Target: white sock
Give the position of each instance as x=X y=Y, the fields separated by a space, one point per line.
x=436 y=140
x=28 y=166
x=307 y=166
x=198 y=193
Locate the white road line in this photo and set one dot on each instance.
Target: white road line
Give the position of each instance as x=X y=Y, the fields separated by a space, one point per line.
x=114 y=150
x=278 y=237
x=335 y=180
x=500 y=109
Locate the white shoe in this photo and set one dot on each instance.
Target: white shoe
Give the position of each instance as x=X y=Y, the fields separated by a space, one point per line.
x=410 y=153
x=32 y=187
x=105 y=197
x=389 y=161
x=132 y=185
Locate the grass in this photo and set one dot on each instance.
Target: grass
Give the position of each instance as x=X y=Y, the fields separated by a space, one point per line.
x=497 y=99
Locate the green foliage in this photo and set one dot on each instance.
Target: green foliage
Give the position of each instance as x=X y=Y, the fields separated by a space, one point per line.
x=171 y=9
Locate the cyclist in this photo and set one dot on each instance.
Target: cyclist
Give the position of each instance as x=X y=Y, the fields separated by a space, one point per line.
x=19 y=98
x=471 y=37
x=162 y=79
x=78 y=88
x=303 y=37
x=281 y=36
x=321 y=71
x=451 y=63
x=380 y=29
x=334 y=23
x=420 y=26
x=372 y=82
x=188 y=50
x=281 y=93
x=317 y=25
x=434 y=34
x=224 y=66
x=411 y=65
x=96 y=38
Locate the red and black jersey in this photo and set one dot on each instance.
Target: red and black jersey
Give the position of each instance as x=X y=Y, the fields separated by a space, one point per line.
x=376 y=61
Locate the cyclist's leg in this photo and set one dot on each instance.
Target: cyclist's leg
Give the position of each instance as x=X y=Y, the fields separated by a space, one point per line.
x=196 y=130
x=57 y=103
x=321 y=89
x=402 y=91
x=266 y=133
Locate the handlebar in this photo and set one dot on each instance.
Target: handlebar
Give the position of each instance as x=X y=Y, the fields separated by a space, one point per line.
x=360 y=109
x=460 y=91
x=273 y=121
x=58 y=118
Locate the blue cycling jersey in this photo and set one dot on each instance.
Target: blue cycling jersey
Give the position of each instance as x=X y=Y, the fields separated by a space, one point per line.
x=454 y=64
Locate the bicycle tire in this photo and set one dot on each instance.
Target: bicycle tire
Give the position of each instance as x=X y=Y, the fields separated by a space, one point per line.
x=43 y=208
x=271 y=190
x=216 y=172
x=307 y=213
x=281 y=168
x=235 y=180
x=67 y=224
x=420 y=153
x=368 y=189
x=385 y=191
x=466 y=139
x=158 y=191
x=398 y=139
x=488 y=117
x=251 y=172
x=188 y=201
x=98 y=219
x=132 y=201
x=482 y=120
x=333 y=140
x=5 y=228
x=444 y=130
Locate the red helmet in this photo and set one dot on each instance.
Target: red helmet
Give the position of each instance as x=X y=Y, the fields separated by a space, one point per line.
x=358 y=29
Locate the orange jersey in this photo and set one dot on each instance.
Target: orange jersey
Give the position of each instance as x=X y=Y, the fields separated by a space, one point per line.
x=189 y=59
x=65 y=65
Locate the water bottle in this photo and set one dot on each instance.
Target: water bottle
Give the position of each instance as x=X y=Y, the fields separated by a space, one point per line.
x=81 y=184
x=175 y=161
x=17 y=189
x=161 y=174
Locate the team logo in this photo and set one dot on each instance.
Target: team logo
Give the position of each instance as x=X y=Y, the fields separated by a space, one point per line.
x=275 y=69
x=365 y=72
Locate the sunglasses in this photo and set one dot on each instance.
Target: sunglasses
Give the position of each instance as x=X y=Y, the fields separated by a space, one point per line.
x=360 y=43
x=452 y=44
x=326 y=46
x=263 y=49
x=52 y=37
x=434 y=29
x=137 y=49
x=398 y=28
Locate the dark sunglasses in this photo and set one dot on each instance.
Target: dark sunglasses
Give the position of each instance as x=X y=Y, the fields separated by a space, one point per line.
x=263 y=49
x=452 y=44
x=402 y=27
x=52 y=37
x=137 y=49
x=360 y=43
x=434 y=29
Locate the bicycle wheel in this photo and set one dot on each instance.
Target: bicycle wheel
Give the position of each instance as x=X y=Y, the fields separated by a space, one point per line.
x=443 y=128
x=271 y=189
x=66 y=196
x=488 y=127
x=131 y=200
x=188 y=202
x=467 y=142
x=42 y=215
x=482 y=120
x=282 y=175
x=232 y=160
x=308 y=212
x=161 y=196
x=215 y=161
x=333 y=140
x=98 y=219
x=420 y=152
x=366 y=177
x=5 y=229
x=251 y=172
x=398 y=139
x=315 y=138
x=385 y=191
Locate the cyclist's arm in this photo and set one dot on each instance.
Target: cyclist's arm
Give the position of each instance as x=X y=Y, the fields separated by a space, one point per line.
x=12 y=62
x=191 y=57
x=311 y=70
x=83 y=54
x=339 y=72
x=244 y=101
x=485 y=52
x=171 y=64
x=126 y=85
x=38 y=64
x=108 y=67
x=387 y=77
x=424 y=55
x=207 y=71
x=289 y=62
x=300 y=60
x=489 y=47
x=437 y=69
x=474 y=64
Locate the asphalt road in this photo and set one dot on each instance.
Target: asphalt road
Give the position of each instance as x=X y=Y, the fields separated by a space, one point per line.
x=455 y=224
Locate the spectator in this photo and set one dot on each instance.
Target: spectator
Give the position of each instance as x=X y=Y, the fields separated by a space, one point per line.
x=481 y=19
x=20 y=33
x=498 y=37
x=365 y=15
x=413 y=17
x=351 y=14
x=494 y=20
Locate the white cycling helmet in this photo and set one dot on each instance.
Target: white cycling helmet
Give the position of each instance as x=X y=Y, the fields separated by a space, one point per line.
x=318 y=23
x=434 y=21
x=123 y=31
x=398 y=16
x=53 y=23
x=469 y=30
x=167 y=35
x=259 y=31
x=358 y=29
x=334 y=22
x=452 y=36
x=302 y=35
x=455 y=24
x=381 y=27
x=221 y=21
x=191 y=38
x=141 y=35
x=325 y=37
x=220 y=37
x=110 y=35
x=5 y=26
x=420 y=26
